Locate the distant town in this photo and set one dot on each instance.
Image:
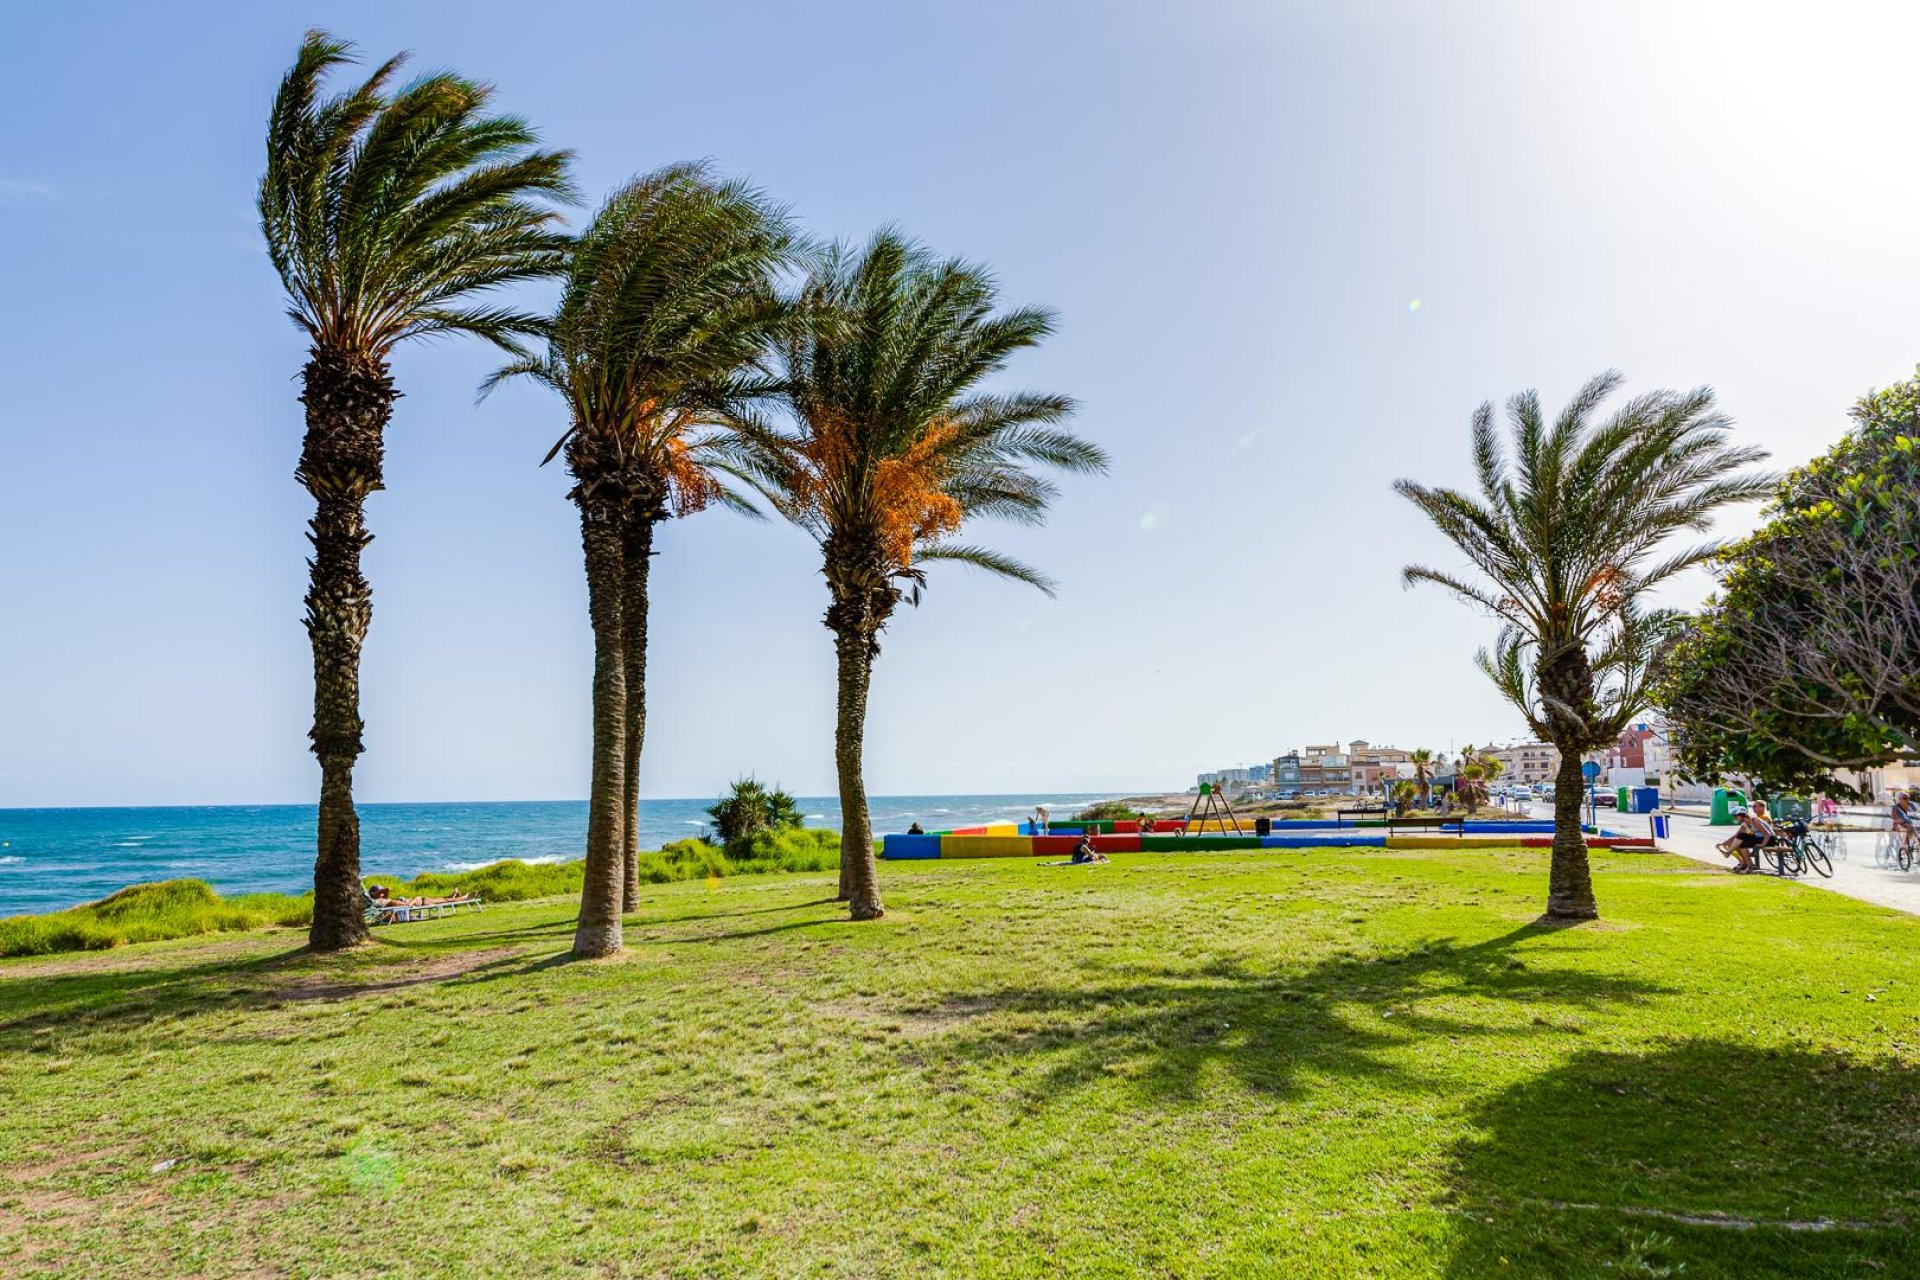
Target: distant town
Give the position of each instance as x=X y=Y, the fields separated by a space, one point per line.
x=1641 y=757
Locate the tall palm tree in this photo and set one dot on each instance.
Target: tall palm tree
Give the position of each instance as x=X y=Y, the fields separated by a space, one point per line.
x=893 y=449
x=668 y=305
x=386 y=215
x=1421 y=758
x=1567 y=534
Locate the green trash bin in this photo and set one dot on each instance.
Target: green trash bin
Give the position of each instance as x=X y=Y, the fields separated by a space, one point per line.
x=1721 y=815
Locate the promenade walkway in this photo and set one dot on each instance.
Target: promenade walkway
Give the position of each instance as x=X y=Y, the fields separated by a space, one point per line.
x=1855 y=875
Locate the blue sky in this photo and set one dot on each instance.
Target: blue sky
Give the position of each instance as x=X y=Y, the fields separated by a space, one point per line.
x=1235 y=209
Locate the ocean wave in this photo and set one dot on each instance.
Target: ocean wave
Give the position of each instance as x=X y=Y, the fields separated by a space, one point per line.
x=128 y=844
x=10 y=859
x=539 y=860
x=816 y=817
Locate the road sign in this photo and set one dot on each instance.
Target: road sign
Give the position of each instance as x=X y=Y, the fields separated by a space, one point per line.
x=1590 y=770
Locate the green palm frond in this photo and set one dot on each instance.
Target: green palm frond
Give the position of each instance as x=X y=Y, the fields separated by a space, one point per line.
x=882 y=372
x=666 y=311
x=993 y=562
x=1572 y=524
x=385 y=213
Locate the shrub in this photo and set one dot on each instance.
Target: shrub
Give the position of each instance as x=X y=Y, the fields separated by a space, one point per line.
x=509 y=881
x=1108 y=810
x=750 y=808
x=184 y=908
x=149 y=913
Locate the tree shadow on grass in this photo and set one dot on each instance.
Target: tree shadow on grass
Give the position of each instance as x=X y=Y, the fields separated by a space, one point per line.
x=1700 y=1158
x=129 y=996
x=1166 y=1029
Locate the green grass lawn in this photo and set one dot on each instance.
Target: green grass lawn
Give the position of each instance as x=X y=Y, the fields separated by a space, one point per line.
x=1319 y=1063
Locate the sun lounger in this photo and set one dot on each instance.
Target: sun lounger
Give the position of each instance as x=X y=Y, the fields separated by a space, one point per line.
x=379 y=912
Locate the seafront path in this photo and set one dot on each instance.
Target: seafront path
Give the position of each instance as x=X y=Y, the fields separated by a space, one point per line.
x=1854 y=875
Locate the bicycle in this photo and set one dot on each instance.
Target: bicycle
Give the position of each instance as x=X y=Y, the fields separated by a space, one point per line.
x=1832 y=840
x=1809 y=850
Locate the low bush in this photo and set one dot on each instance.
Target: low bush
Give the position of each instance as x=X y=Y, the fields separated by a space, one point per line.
x=183 y=908
x=508 y=881
x=1108 y=811
x=149 y=913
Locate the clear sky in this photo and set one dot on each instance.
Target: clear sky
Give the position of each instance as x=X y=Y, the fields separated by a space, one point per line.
x=1292 y=246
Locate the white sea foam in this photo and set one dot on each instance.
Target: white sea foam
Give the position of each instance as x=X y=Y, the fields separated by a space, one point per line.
x=9 y=859
x=542 y=860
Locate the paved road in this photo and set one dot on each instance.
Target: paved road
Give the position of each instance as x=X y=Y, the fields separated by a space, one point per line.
x=1855 y=875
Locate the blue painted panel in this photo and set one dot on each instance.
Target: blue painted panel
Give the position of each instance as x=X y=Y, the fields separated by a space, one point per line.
x=895 y=848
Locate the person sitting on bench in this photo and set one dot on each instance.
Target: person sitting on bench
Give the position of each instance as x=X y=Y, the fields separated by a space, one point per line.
x=1744 y=844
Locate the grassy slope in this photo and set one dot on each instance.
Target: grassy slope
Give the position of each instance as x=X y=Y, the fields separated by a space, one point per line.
x=1303 y=1064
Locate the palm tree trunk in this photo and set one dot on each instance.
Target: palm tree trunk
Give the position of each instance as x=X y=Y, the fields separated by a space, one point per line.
x=636 y=547
x=349 y=399
x=859 y=878
x=1570 y=879
x=598 y=932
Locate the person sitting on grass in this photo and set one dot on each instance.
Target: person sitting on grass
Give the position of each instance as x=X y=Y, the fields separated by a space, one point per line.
x=1084 y=854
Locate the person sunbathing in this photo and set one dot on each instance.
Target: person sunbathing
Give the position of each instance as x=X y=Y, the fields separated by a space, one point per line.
x=383 y=897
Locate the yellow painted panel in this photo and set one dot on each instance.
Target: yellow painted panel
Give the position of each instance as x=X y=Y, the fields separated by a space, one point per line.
x=1003 y=828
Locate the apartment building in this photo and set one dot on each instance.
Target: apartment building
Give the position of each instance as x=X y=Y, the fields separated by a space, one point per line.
x=1528 y=762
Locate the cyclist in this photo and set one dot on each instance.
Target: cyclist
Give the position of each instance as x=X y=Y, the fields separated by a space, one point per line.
x=1905 y=814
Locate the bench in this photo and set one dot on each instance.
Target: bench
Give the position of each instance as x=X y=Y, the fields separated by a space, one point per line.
x=1340 y=816
x=1398 y=824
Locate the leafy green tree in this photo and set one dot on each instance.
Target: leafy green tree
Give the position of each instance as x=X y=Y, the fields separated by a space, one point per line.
x=892 y=449
x=1807 y=661
x=386 y=215
x=751 y=806
x=1569 y=531
x=668 y=306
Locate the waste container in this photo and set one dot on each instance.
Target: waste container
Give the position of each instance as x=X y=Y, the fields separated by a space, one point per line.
x=1662 y=825
x=1724 y=799
x=1646 y=799
x=1263 y=826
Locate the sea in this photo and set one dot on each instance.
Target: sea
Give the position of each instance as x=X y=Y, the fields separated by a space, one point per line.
x=55 y=858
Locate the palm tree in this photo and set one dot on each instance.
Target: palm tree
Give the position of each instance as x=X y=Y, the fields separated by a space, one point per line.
x=668 y=304
x=1565 y=538
x=386 y=216
x=1422 y=761
x=893 y=450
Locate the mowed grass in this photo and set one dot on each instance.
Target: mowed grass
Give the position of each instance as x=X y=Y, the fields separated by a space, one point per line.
x=1316 y=1063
